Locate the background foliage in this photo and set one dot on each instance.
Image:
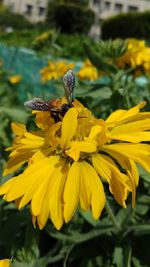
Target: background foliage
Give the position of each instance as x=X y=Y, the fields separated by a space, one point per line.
x=70 y=17
x=135 y=25
x=9 y=19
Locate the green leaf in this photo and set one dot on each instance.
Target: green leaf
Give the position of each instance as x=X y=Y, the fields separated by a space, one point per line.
x=15 y=113
x=125 y=216
x=21 y=264
x=144 y=199
x=81 y=237
x=122 y=256
x=139 y=230
x=87 y=215
x=98 y=60
x=144 y=174
x=118 y=256
x=136 y=262
x=103 y=93
x=141 y=209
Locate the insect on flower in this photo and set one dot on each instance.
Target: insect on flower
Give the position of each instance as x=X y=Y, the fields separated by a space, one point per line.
x=54 y=106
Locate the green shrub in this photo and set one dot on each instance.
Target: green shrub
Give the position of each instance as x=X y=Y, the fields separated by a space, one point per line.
x=72 y=45
x=78 y=2
x=70 y=18
x=16 y=21
x=135 y=25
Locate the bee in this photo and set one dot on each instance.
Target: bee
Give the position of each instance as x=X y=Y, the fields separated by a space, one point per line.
x=53 y=106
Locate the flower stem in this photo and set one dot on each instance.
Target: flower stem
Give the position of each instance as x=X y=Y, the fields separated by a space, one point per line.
x=112 y=216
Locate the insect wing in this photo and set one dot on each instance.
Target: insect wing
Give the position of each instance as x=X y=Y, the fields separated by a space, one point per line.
x=38 y=104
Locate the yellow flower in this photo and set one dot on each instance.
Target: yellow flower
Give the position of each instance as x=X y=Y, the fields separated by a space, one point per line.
x=43 y=37
x=5 y=263
x=63 y=66
x=55 y=70
x=69 y=160
x=15 y=79
x=137 y=55
x=88 y=71
x=135 y=43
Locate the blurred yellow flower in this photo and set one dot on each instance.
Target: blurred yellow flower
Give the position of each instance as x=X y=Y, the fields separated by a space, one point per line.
x=135 y=43
x=88 y=72
x=43 y=37
x=55 y=70
x=5 y=263
x=136 y=56
x=15 y=79
x=68 y=159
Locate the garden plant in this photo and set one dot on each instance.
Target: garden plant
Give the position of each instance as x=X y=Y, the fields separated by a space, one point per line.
x=75 y=155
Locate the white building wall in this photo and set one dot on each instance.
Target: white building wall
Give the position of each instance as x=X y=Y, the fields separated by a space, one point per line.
x=112 y=7
x=106 y=8
x=102 y=8
x=33 y=10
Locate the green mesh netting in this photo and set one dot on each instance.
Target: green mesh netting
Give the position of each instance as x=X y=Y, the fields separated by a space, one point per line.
x=28 y=64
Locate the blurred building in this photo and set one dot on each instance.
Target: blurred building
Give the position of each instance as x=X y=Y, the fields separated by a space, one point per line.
x=33 y=10
x=106 y=8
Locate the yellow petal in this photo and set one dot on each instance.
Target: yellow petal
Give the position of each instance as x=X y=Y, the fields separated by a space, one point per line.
x=132 y=132
x=39 y=155
x=18 y=128
x=73 y=153
x=69 y=125
x=53 y=139
x=4 y=188
x=115 y=116
x=93 y=189
x=71 y=191
x=140 y=153
x=23 y=183
x=134 y=178
x=45 y=212
x=123 y=115
x=56 y=199
x=44 y=175
x=87 y=146
x=32 y=140
x=95 y=130
x=85 y=189
x=45 y=200
x=134 y=137
x=135 y=110
x=108 y=170
x=41 y=175
x=131 y=170
x=43 y=119
x=5 y=263
x=16 y=161
x=38 y=197
x=34 y=221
